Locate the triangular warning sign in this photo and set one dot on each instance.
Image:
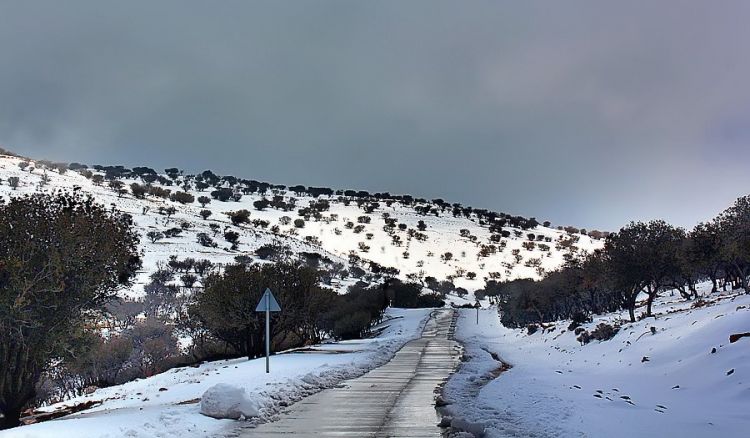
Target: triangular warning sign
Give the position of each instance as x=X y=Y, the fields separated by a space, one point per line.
x=268 y=302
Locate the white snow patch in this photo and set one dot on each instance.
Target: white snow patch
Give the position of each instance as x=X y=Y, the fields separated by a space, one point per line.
x=228 y=401
x=558 y=388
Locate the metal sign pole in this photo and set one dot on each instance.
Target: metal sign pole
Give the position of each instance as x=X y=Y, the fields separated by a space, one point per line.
x=268 y=335
x=268 y=304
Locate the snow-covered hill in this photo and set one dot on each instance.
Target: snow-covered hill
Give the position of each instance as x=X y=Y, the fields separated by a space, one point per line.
x=459 y=248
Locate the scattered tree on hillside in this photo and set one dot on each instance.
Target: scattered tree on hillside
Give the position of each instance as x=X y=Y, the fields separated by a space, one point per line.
x=154 y=236
x=182 y=197
x=204 y=200
x=239 y=217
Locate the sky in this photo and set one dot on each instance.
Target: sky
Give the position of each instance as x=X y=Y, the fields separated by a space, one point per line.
x=587 y=113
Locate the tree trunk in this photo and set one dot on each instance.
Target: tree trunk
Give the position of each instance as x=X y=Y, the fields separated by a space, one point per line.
x=649 y=302
x=11 y=418
x=652 y=293
x=691 y=286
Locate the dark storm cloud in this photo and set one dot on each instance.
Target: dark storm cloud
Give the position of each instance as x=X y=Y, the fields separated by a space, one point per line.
x=590 y=113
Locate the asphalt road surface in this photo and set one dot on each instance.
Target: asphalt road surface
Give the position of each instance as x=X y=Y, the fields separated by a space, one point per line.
x=394 y=400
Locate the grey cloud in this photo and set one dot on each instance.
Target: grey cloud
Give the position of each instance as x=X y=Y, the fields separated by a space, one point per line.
x=586 y=112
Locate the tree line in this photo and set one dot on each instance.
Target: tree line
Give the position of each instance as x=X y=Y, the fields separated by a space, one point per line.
x=641 y=260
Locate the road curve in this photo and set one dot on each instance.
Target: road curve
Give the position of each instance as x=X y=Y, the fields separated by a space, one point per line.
x=394 y=400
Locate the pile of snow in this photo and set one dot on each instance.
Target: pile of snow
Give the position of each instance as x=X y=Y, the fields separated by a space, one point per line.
x=677 y=372
x=170 y=404
x=228 y=401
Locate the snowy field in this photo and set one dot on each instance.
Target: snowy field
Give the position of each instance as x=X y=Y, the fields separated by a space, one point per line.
x=642 y=383
x=167 y=405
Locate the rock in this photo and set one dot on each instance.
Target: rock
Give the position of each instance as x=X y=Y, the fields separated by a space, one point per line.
x=162 y=389
x=476 y=429
x=440 y=402
x=645 y=359
x=737 y=336
x=713 y=350
x=730 y=372
x=228 y=401
x=445 y=422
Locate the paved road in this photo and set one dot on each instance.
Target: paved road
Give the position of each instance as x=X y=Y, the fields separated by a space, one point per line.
x=394 y=400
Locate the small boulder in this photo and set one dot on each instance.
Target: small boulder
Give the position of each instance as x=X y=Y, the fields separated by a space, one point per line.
x=445 y=422
x=440 y=401
x=228 y=401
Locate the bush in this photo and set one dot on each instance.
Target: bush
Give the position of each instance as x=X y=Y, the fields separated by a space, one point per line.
x=182 y=197
x=430 y=300
x=225 y=308
x=154 y=236
x=299 y=223
x=13 y=182
x=95 y=253
x=172 y=232
x=351 y=325
x=204 y=200
x=578 y=319
x=239 y=217
x=604 y=332
x=205 y=240
x=159 y=192
x=205 y=214
x=139 y=191
x=232 y=237
x=261 y=204
x=222 y=195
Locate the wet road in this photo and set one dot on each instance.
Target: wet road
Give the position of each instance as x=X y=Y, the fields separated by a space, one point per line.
x=394 y=400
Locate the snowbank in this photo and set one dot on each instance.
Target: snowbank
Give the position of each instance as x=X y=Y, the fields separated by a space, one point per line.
x=683 y=377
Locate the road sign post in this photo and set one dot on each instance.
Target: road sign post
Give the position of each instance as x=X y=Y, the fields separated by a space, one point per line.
x=477 y=306
x=268 y=304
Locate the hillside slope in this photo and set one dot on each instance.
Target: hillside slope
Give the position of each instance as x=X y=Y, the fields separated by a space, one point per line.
x=347 y=232
x=676 y=374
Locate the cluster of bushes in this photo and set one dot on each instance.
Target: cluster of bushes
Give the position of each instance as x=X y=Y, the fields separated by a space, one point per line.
x=410 y=295
x=224 y=310
x=641 y=258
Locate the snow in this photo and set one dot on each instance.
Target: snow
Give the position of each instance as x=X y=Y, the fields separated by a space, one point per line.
x=168 y=404
x=228 y=401
x=336 y=241
x=557 y=387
